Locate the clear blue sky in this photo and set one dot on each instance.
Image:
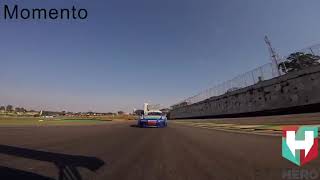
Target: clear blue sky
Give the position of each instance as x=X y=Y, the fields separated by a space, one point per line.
x=128 y=52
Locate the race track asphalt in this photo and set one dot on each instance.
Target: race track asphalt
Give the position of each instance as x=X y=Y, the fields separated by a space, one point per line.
x=121 y=151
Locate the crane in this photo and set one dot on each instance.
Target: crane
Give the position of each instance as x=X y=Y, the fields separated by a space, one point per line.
x=274 y=57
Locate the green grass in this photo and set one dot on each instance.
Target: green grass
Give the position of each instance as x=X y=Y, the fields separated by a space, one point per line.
x=36 y=121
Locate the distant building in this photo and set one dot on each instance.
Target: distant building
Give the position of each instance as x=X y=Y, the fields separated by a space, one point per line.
x=139 y=112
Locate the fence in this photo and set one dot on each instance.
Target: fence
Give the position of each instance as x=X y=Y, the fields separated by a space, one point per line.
x=265 y=72
x=314 y=50
x=300 y=59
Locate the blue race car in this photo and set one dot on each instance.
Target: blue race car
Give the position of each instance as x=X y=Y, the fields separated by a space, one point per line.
x=153 y=119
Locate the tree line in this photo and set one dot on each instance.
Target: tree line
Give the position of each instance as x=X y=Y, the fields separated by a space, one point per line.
x=10 y=108
x=298 y=61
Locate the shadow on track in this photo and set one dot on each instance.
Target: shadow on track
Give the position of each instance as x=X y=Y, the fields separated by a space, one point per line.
x=134 y=126
x=66 y=164
x=9 y=173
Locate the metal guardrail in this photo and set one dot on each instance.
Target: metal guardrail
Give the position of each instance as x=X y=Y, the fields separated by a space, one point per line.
x=264 y=72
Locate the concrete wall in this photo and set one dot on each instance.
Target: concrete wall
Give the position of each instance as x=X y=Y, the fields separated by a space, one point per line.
x=295 y=89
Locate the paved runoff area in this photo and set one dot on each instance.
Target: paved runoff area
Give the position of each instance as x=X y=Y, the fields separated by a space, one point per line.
x=264 y=125
x=120 y=150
